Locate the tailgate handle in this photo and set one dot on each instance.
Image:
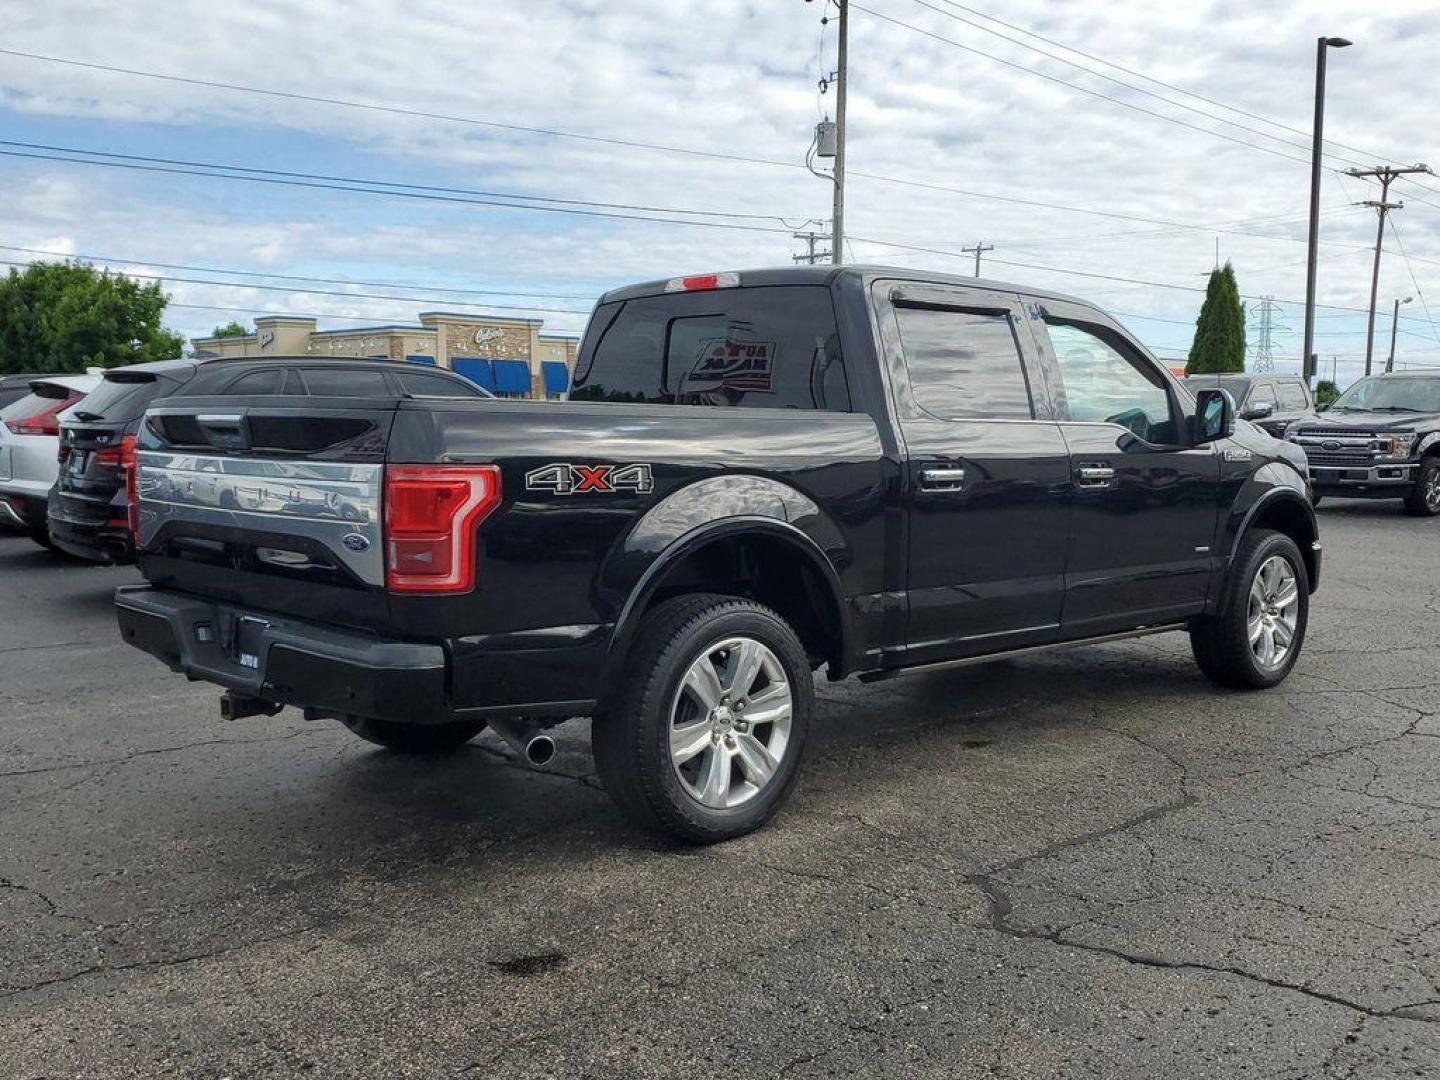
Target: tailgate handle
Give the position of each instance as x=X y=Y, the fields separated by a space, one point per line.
x=225 y=431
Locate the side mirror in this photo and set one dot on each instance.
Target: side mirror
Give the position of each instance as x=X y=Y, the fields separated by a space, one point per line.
x=1214 y=416
x=1259 y=411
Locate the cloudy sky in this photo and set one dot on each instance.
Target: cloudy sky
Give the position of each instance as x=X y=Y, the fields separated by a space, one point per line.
x=1084 y=173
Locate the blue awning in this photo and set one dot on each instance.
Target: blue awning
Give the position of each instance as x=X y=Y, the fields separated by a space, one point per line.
x=420 y=358
x=557 y=377
x=512 y=377
x=476 y=370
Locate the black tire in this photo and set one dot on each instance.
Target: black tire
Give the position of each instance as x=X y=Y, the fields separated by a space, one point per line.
x=1221 y=643
x=1424 y=497
x=630 y=736
x=41 y=536
x=420 y=739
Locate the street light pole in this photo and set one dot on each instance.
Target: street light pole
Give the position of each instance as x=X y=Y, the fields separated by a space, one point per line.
x=837 y=217
x=1394 y=329
x=1307 y=359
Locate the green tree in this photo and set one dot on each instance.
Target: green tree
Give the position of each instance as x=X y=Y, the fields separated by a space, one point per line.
x=1219 y=344
x=69 y=316
x=1326 y=392
x=230 y=329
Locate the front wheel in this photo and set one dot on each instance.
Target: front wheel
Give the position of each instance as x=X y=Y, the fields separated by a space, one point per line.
x=704 y=736
x=1265 y=607
x=420 y=739
x=1424 y=498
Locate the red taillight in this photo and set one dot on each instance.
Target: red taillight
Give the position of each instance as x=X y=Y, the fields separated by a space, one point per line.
x=44 y=422
x=431 y=512
x=129 y=466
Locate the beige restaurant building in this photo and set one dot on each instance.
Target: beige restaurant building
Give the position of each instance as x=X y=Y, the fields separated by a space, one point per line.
x=513 y=357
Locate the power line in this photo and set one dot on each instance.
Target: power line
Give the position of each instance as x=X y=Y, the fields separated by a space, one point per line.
x=1158 y=82
x=1395 y=232
x=1120 y=82
x=606 y=140
x=334 y=292
x=1073 y=86
x=292 y=277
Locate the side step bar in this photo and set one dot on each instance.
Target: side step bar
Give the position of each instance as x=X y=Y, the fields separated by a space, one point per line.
x=967 y=661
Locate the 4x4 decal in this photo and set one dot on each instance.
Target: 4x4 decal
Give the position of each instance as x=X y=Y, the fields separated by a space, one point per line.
x=564 y=478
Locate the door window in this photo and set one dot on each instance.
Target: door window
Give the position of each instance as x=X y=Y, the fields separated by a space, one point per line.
x=1105 y=382
x=964 y=365
x=346 y=382
x=266 y=381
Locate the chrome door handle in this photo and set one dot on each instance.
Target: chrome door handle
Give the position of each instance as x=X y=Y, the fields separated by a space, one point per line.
x=942 y=479
x=1094 y=475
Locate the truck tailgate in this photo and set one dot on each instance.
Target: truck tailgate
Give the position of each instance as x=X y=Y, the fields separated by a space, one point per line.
x=283 y=496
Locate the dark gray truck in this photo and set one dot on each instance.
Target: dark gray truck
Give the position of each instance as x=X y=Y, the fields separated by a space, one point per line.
x=863 y=470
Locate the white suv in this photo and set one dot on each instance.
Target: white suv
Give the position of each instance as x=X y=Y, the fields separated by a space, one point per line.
x=30 y=447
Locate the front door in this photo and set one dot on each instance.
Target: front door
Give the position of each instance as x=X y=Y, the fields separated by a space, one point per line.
x=986 y=473
x=1144 y=501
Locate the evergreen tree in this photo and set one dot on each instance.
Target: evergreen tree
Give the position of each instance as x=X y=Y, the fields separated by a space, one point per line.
x=1219 y=344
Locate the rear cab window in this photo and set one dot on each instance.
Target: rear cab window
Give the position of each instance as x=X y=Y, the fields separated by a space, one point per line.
x=118 y=401
x=964 y=364
x=766 y=347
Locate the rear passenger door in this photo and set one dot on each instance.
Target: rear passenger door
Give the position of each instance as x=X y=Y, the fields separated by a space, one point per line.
x=1144 y=500
x=986 y=472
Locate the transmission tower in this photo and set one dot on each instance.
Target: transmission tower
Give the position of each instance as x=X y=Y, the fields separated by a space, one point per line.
x=1265 y=344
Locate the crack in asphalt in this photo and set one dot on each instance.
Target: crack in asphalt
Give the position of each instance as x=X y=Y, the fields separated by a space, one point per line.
x=1002 y=907
x=104 y=762
x=156 y=963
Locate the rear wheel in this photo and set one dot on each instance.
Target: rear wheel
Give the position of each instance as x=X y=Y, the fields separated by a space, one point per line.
x=1424 y=498
x=1265 y=607
x=704 y=738
x=415 y=738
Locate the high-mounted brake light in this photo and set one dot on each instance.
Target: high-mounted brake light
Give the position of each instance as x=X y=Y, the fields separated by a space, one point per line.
x=130 y=469
x=703 y=282
x=431 y=513
x=44 y=422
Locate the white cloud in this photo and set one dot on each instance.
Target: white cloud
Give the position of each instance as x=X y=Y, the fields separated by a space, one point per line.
x=735 y=78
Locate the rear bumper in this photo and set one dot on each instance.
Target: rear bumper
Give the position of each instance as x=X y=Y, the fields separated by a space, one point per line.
x=102 y=542
x=540 y=675
x=285 y=660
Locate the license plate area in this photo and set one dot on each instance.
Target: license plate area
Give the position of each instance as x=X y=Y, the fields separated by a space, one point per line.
x=248 y=642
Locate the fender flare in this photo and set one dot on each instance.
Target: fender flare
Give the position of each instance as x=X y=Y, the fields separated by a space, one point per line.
x=692 y=541
x=1269 y=498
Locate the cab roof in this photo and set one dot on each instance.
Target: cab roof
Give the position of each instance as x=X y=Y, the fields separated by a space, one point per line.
x=827 y=275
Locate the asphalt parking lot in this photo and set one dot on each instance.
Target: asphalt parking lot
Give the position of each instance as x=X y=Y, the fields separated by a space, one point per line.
x=1088 y=865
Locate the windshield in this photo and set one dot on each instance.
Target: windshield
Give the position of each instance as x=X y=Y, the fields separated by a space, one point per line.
x=1418 y=394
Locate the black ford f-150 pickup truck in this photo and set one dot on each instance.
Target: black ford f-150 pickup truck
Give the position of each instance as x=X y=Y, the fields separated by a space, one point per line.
x=864 y=470
x=1378 y=440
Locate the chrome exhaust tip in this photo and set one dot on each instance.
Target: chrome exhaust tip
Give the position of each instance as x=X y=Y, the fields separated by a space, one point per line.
x=527 y=740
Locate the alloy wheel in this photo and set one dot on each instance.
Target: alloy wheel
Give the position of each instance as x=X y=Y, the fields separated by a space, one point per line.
x=730 y=722
x=1273 y=613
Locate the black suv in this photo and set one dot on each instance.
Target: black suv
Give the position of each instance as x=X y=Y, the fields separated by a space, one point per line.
x=88 y=510
x=1270 y=402
x=1378 y=440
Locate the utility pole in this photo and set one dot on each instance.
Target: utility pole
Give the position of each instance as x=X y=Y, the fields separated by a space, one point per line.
x=812 y=256
x=978 y=250
x=837 y=218
x=1387 y=175
x=1307 y=359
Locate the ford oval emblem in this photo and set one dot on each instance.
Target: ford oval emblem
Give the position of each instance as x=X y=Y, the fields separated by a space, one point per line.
x=1330 y=444
x=355 y=542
